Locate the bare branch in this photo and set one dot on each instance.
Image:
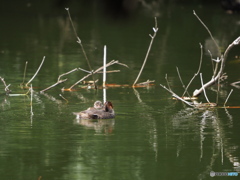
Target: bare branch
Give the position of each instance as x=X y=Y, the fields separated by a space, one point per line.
x=36 y=71
x=59 y=82
x=204 y=88
x=80 y=43
x=155 y=29
x=207 y=30
x=199 y=68
x=73 y=70
x=220 y=72
x=6 y=89
x=97 y=71
x=177 y=97
x=183 y=85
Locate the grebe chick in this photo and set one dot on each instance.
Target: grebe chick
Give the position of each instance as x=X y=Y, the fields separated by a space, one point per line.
x=107 y=112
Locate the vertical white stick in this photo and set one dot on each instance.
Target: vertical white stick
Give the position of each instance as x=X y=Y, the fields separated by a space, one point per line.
x=104 y=73
x=31 y=91
x=104 y=95
x=104 y=66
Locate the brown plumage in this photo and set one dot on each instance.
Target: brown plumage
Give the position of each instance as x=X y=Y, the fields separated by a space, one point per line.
x=107 y=112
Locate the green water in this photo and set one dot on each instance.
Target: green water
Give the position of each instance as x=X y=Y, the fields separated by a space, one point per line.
x=152 y=136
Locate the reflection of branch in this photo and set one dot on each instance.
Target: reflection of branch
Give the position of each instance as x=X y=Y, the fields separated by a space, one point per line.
x=235 y=84
x=100 y=126
x=137 y=95
x=52 y=98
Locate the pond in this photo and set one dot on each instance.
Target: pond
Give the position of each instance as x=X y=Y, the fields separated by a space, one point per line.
x=152 y=135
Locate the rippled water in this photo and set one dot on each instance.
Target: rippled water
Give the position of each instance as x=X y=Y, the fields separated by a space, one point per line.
x=152 y=135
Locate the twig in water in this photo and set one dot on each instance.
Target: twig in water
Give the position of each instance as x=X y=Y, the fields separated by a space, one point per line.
x=211 y=60
x=24 y=73
x=59 y=82
x=96 y=71
x=177 y=97
x=104 y=66
x=36 y=71
x=31 y=100
x=207 y=30
x=155 y=29
x=80 y=43
x=146 y=83
x=204 y=89
x=183 y=85
x=235 y=84
x=6 y=89
x=228 y=97
x=104 y=95
x=220 y=72
x=199 y=68
x=59 y=77
x=167 y=82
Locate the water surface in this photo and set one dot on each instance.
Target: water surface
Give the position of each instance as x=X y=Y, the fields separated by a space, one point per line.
x=152 y=136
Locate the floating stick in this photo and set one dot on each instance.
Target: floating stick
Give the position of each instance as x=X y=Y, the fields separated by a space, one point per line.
x=36 y=71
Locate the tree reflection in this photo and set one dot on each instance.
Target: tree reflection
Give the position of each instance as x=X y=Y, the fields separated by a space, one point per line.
x=101 y=126
x=207 y=125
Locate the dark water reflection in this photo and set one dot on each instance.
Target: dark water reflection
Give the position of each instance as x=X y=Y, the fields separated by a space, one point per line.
x=152 y=136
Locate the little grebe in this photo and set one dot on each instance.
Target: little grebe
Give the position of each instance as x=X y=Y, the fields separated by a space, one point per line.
x=97 y=112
